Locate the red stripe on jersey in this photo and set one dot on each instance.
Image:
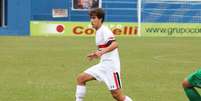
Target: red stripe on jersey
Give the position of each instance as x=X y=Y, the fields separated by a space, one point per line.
x=102 y=46
x=106 y=45
x=111 y=38
x=116 y=81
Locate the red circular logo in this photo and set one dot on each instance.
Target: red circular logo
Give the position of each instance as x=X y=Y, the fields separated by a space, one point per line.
x=60 y=28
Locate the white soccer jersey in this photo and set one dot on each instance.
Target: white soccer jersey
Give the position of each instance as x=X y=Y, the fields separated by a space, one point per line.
x=108 y=70
x=103 y=36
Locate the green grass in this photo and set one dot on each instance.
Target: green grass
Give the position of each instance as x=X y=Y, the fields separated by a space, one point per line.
x=45 y=68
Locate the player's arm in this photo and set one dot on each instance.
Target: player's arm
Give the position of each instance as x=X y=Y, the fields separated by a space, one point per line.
x=112 y=44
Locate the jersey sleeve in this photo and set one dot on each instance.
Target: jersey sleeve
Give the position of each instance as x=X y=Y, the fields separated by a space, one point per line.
x=108 y=35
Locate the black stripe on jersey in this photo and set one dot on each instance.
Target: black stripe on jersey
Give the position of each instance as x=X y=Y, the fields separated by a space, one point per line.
x=118 y=78
x=109 y=42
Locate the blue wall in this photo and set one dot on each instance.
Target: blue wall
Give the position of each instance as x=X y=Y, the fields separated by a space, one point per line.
x=18 y=17
x=116 y=10
x=20 y=12
x=123 y=11
x=42 y=9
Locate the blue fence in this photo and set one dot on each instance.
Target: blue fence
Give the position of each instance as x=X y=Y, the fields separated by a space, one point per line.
x=184 y=12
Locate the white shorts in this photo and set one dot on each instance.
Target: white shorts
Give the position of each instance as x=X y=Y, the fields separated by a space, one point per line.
x=105 y=72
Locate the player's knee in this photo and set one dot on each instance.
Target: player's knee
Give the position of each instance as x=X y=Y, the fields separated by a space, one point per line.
x=80 y=79
x=118 y=96
x=186 y=84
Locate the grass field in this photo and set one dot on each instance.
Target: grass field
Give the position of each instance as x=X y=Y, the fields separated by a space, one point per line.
x=45 y=68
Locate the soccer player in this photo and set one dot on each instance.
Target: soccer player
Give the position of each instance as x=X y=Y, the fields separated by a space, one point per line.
x=108 y=70
x=189 y=85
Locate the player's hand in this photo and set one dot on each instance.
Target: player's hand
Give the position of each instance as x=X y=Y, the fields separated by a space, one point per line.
x=99 y=53
x=92 y=56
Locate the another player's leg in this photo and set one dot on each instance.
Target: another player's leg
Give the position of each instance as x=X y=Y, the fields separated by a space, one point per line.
x=81 y=85
x=118 y=95
x=189 y=84
x=191 y=92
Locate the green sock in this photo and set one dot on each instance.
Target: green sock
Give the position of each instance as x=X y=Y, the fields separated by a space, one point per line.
x=192 y=94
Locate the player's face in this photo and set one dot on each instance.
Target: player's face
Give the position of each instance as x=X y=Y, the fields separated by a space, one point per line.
x=96 y=22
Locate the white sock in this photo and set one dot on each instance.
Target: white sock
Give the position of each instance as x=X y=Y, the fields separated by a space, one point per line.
x=80 y=92
x=128 y=99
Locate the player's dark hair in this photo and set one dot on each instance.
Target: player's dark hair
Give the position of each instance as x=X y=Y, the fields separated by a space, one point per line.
x=99 y=12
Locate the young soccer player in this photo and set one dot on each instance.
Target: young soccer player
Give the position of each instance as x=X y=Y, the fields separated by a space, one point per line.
x=189 y=84
x=108 y=70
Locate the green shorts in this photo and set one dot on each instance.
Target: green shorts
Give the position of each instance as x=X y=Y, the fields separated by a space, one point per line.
x=195 y=78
